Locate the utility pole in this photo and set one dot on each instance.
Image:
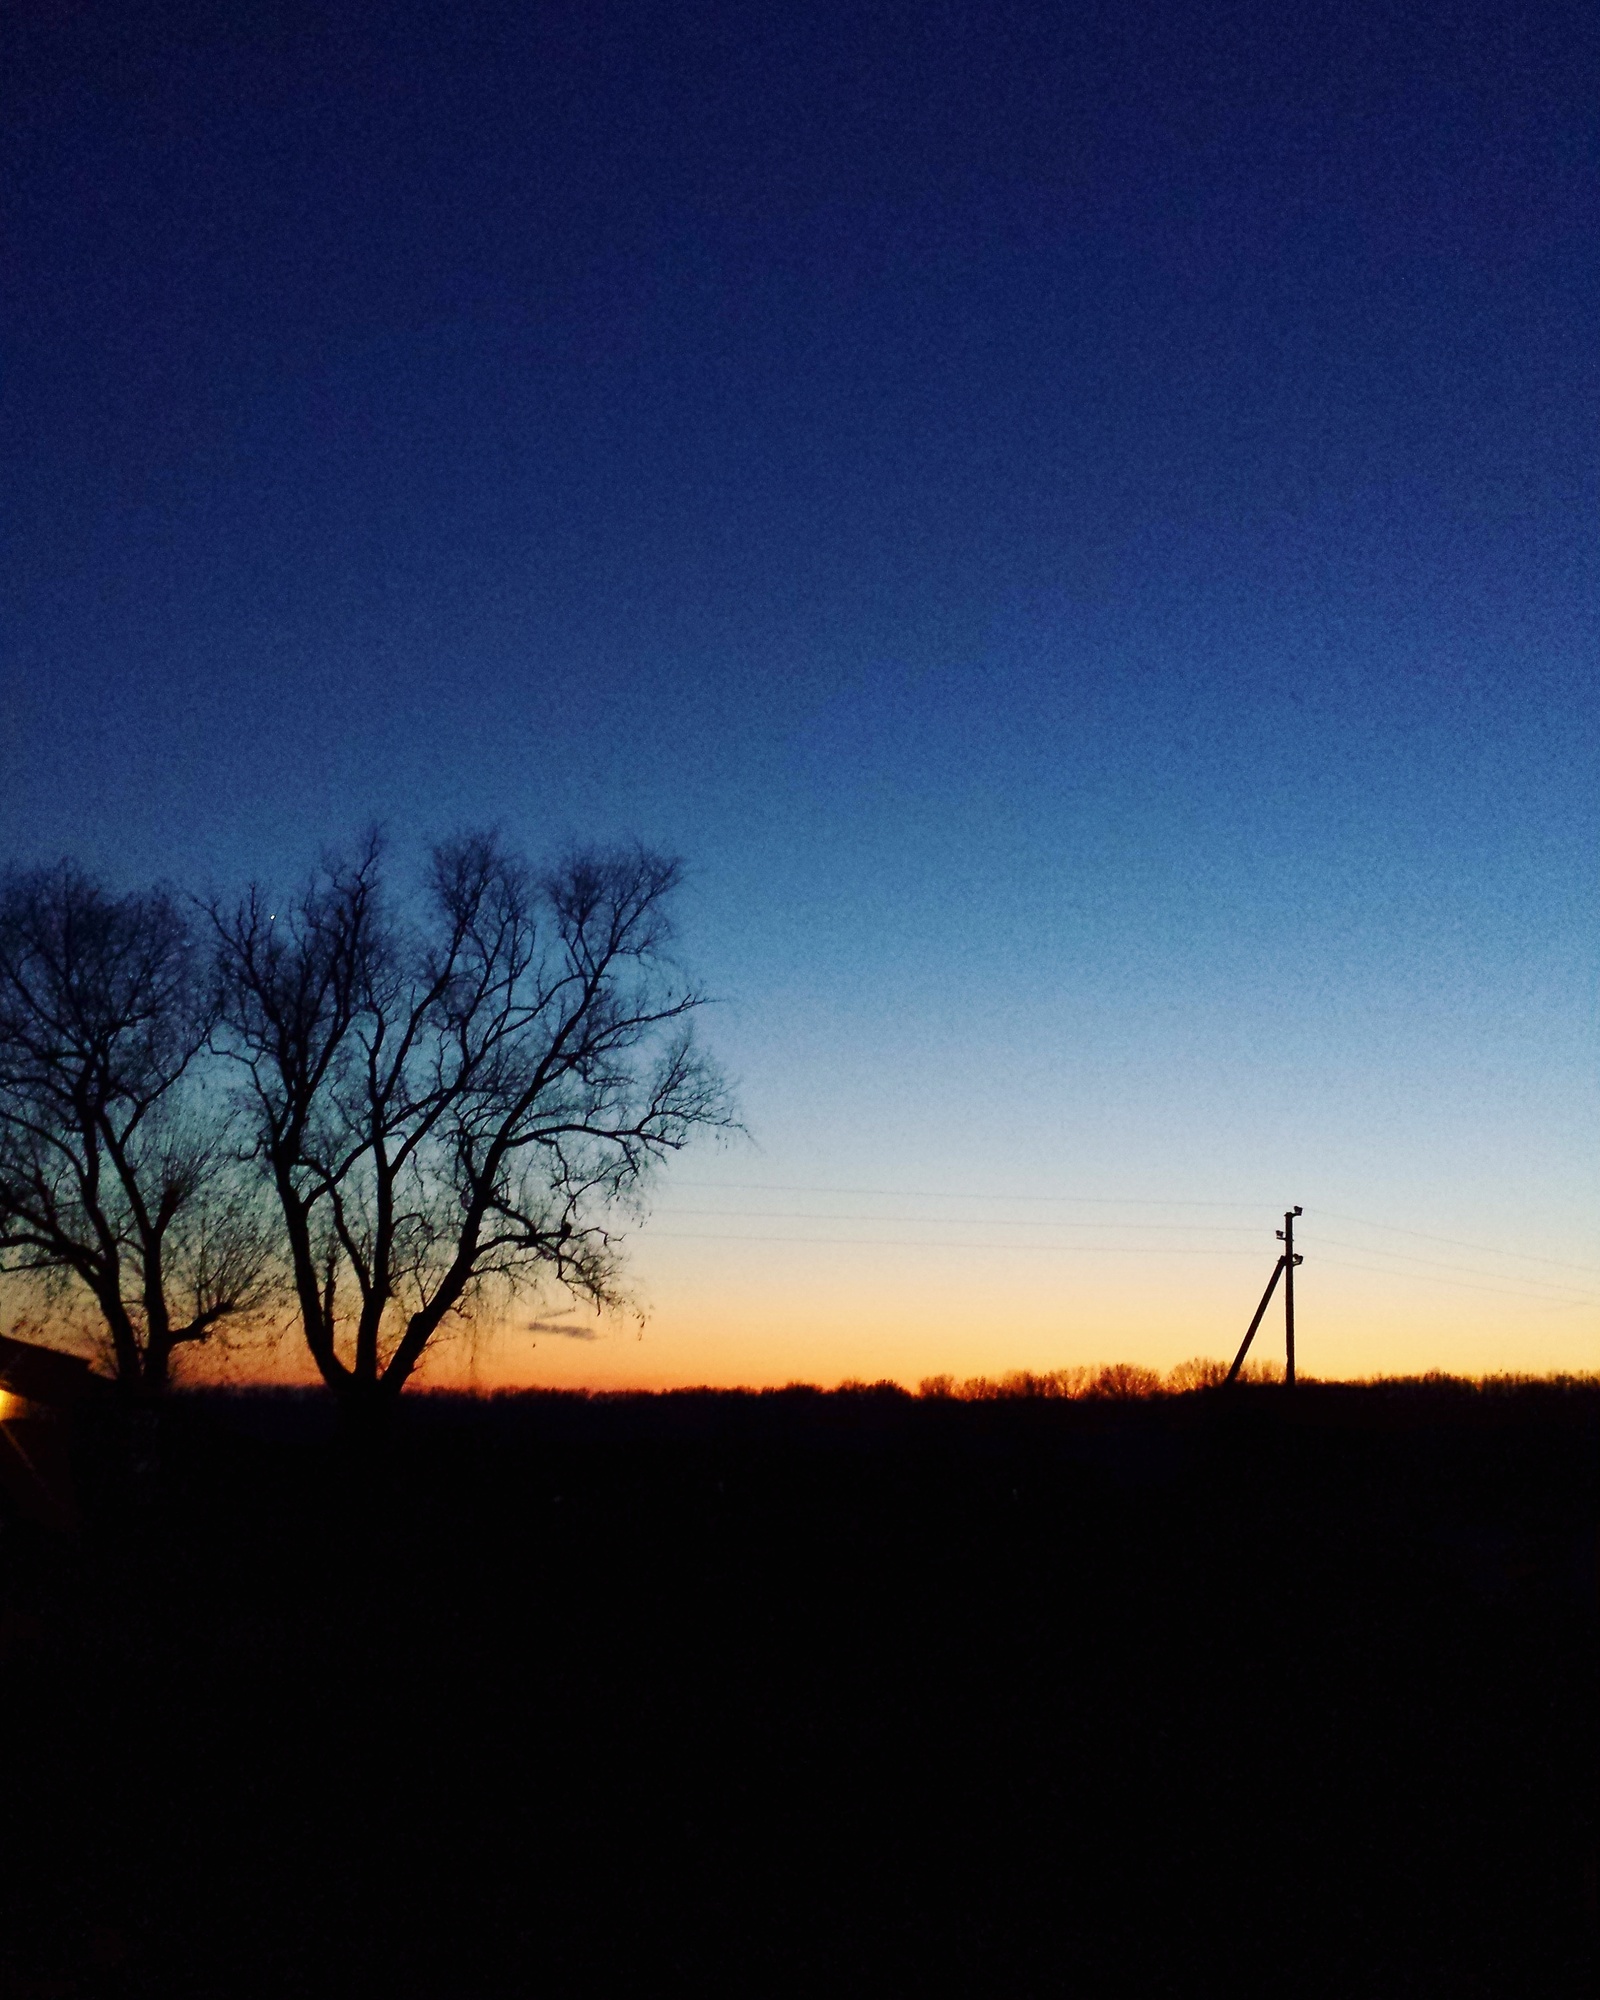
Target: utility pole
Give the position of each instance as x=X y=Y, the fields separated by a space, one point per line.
x=1284 y=1268
x=1286 y=1238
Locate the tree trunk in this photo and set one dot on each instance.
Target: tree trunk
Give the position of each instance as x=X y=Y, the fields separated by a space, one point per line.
x=366 y=1415
x=124 y=1341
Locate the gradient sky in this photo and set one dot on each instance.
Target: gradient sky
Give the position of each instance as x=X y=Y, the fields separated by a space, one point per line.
x=1080 y=523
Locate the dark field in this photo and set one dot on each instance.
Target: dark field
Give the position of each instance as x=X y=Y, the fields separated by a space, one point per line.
x=1260 y=1691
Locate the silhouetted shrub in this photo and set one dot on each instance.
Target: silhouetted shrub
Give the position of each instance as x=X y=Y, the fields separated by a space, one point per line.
x=1125 y=1381
x=1199 y=1373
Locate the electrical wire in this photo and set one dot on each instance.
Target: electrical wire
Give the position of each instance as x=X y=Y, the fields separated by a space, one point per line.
x=1131 y=1201
x=1573 y=1302
x=946 y=1243
x=1439 y=1264
x=1515 y=1285
x=954 y=1222
x=1556 y=1298
x=1458 y=1243
x=1461 y=1284
x=959 y=1194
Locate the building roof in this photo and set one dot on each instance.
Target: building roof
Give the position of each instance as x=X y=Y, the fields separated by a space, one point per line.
x=44 y=1374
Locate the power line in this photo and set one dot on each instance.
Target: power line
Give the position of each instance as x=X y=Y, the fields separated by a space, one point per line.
x=1458 y=1243
x=1440 y=1264
x=1126 y=1201
x=1461 y=1284
x=965 y=1247
x=958 y=1194
x=954 y=1222
x=1569 y=1300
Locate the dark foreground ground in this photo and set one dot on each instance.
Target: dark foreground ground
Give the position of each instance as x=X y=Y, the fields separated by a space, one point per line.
x=1266 y=1692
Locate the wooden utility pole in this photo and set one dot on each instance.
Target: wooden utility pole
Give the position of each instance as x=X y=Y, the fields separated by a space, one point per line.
x=1286 y=1238
x=1284 y=1268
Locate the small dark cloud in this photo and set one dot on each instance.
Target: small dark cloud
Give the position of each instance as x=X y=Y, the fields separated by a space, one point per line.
x=565 y=1330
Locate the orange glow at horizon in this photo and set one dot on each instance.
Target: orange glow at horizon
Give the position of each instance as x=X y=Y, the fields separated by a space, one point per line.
x=758 y=1315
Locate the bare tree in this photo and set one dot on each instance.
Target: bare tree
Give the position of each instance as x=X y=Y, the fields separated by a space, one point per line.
x=116 y=1176
x=470 y=1096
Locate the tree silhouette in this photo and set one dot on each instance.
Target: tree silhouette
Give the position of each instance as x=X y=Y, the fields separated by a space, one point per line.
x=472 y=1091
x=116 y=1175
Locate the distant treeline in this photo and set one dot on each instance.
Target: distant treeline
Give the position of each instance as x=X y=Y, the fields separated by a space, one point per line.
x=1121 y=1381
x=1124 y=1381
x=1116 y=1381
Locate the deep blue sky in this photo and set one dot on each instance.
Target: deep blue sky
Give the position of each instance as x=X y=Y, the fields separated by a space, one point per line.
x=1080 y=522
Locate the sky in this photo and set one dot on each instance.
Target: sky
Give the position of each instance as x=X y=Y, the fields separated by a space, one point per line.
x=1079 y=523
